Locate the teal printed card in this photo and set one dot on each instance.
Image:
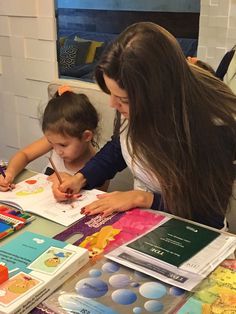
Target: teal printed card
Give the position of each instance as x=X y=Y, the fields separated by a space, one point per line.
x=19 y=253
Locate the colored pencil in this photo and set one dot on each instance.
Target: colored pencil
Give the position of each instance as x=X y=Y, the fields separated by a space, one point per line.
x=55 y=169
x=68 y=201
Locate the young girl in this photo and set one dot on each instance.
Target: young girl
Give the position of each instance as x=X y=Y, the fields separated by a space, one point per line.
x=69 y=124
x=179 y=136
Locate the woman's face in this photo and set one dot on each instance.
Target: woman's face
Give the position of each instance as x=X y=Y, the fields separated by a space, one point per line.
x=119 y=97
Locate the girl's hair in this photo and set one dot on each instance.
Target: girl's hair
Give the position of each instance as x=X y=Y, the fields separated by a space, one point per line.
x=178 y=113
x=70 y=114
x=205 y=66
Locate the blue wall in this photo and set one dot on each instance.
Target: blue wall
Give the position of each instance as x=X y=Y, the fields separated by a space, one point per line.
x=139 y=5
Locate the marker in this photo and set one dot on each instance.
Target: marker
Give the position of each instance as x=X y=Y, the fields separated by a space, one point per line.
x=4 y=176
x=6 y=233
x=2 y=172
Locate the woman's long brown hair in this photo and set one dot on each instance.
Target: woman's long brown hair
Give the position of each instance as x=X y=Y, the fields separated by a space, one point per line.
x=179 y=115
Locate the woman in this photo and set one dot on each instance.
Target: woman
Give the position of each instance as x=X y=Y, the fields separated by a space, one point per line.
x=175 y=130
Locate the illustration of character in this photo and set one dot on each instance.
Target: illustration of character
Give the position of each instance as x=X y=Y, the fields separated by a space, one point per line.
x=52 y=261
x=56 y=259
x=97 y=242
x=21 y=285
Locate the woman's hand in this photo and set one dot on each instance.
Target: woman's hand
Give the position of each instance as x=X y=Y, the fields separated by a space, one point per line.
x=6 y=183
x=69 y=188
x=109 y=203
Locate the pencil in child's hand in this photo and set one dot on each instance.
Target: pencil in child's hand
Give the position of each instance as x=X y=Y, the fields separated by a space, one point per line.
x=55 y=169
x=68 y=195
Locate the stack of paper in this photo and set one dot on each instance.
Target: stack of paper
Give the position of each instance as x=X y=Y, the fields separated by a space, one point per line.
x=177 y=251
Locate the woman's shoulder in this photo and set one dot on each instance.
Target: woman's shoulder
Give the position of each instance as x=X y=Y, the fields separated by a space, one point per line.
x=224 y=64
x=230 y=76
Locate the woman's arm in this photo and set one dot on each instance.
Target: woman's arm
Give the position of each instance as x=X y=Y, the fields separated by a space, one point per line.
x=21 y=159
x=109 y=203
x=104 y=165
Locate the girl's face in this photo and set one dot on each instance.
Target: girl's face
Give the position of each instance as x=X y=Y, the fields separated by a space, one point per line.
x=119 y=97
x=67 y=147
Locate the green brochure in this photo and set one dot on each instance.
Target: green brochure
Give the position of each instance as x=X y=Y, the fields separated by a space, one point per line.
x=175 y=241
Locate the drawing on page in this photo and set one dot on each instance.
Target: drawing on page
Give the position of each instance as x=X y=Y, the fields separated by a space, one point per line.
x=52 y=207
x=32 y=187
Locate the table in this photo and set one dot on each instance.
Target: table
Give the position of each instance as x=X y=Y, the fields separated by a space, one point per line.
x=47 y=228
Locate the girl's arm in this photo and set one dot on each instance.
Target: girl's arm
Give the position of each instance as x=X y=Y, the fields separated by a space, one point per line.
x=21 y=159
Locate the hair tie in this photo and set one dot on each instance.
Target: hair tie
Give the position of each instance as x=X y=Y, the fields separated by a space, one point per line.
x=62 y=89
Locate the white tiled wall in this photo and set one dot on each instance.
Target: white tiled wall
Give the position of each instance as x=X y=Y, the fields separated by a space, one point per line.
x=27 y=64
x=28 y=60
x=217 y=30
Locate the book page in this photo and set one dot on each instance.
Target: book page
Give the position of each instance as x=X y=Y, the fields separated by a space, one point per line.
x=35 y=195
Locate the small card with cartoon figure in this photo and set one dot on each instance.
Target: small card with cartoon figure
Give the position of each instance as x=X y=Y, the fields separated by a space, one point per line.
x=14 y=288
x=51 y=260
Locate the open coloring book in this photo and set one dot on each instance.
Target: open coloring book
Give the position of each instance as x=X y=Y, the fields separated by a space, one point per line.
x=35 y=195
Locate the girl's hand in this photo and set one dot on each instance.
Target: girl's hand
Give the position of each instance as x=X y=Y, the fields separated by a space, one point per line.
x=70 y=187
x=6 y=183
x=109 y=203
